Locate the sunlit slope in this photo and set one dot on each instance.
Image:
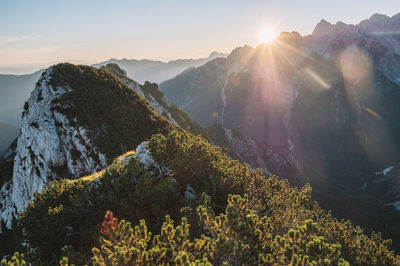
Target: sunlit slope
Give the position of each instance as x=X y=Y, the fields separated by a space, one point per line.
x=266 y=222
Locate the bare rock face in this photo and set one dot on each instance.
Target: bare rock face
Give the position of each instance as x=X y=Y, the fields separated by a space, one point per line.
x=49 y=146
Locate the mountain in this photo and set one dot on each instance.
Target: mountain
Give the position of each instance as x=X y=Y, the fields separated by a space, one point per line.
x=377 y=24
x=157 y=71
x=325 y=105
x=67 y=163
x=249 y=150
x=76 y=121
x=379 y=36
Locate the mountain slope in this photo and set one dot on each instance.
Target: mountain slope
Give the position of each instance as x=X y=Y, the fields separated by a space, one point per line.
x=157 y=71
x=157 y=100
x=327 y=102
x=76 y=121
x=228 y=213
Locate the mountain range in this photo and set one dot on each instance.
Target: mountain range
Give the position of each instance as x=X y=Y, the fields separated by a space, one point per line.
x=67 y=171
x=319 y=109
x=157 y=71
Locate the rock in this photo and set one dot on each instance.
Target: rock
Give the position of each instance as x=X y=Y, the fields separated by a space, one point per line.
x=49 y=146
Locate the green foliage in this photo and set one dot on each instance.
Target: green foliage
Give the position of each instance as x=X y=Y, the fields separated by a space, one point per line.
x=16 y=260
x=266 y=221
x=239 y=236
x=203 y=166
x=124 y=245
x=69 y=212
x=304 y=246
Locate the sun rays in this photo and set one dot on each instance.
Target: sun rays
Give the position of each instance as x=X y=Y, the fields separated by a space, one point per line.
x=281 y=70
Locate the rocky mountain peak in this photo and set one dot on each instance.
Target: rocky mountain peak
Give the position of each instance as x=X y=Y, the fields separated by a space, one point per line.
x=396 y=17
x=68 y=129
x=379 y=18
x=323 y=27
x=216 y=54
x=115 y=69
x=289 y=37
x=380 y=24
x=239 y=53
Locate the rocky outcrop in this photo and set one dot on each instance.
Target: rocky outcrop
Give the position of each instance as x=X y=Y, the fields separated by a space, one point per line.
x=323 y=27
x=49 y=146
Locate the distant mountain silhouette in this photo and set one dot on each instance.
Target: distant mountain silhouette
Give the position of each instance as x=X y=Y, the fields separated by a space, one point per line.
x=157 y=71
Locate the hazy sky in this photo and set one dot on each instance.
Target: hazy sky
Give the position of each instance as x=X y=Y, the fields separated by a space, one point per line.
x=38 y=33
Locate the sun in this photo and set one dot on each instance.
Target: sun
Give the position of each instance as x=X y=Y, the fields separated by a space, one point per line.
x=267 y=35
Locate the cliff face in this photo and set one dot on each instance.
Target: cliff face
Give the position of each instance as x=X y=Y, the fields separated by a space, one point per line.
x=71 y=128
x=49 y=146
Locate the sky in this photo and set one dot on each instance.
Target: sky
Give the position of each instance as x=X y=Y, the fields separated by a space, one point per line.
x=36 y=34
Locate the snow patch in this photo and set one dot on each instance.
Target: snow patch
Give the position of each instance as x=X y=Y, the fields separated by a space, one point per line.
x=395 y=204
x=385 y=171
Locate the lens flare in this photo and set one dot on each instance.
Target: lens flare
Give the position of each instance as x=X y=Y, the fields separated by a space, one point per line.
x=317 y=78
